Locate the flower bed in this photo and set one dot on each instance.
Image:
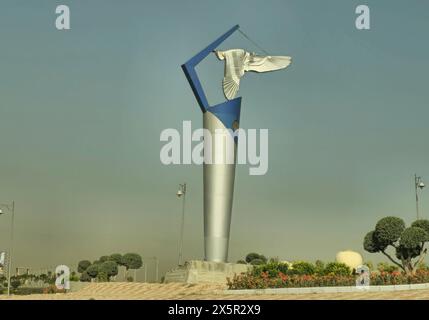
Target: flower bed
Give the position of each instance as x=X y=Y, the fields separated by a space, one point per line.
x=265 y=280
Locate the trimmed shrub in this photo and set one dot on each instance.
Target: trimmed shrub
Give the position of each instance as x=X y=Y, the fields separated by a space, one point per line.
x=302 y=267
x=83 y=265
x=15 y=283
x=110 y=268
x=253 y=256
x=385 y=267
x=93 y=270
x=117 y=258
x=272 y=269
x=132 y=261
x=337 y=269
x=53 y=289
x=26 y=291
x=104 y=258
x=85 y=277
x=263 y=281
x=102 y=276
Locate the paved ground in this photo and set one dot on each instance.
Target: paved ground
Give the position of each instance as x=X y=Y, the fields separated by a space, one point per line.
x=175 y=291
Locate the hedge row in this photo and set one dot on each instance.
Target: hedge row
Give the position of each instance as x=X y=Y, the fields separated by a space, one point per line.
x=281 y=280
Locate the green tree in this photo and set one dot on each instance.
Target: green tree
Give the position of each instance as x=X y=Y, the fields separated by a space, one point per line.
x=132 y=261
x=93 y=270
x=408 y=243
x=104 y=259
x=83 y=265
x=110 y=268
x=117 y=258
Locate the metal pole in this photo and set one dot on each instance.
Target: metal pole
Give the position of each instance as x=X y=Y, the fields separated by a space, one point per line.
x=145 y=273
x=10 y=249
x=183 y=187
x=157 y=267
x=417 y=195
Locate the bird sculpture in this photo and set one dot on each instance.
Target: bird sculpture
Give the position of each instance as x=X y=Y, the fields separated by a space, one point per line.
x=239 y=61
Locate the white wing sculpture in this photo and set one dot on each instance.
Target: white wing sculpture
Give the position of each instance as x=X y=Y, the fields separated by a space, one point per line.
x=238 y=61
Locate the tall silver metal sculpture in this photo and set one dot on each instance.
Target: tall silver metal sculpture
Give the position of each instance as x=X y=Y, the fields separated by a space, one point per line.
x=219 y=177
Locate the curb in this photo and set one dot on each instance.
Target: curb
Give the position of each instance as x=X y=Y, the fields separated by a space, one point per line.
x=352 y=289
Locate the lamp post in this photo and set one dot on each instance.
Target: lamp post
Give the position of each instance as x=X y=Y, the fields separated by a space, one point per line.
x=181 y=193
x=11 y=209
x=418 y=184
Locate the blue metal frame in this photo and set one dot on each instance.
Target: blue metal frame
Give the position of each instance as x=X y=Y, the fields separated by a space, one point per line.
x=228 y=111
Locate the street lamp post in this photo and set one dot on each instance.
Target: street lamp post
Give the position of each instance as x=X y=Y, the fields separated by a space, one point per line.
x=157 y=268
x=182 y=193
x=11 y=208
x=418 y=184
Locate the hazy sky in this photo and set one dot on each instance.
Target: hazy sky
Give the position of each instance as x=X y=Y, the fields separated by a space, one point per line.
x=81 y=112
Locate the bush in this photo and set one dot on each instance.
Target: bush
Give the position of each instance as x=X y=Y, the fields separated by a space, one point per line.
x=26 y=291
x=102 y=276
x=263 y=281
x=319 y=266
x=53 y=289
x=302 y=268
x=85 y=277
x=337 y=269
x=74 y=277
x=272 y=269
x=15 y=283
x=422 y=266
x=385 y=267
x=130 y=279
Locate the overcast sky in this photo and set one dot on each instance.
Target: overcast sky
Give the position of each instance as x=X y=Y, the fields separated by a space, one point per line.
x=81 y=112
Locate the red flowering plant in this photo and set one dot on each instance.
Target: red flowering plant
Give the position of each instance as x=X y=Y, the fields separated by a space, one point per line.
x=265 y=279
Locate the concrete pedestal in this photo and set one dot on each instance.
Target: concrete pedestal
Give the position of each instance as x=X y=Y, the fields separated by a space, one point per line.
x=197 y=271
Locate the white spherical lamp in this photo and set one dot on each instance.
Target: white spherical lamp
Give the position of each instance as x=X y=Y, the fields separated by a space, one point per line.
x=350 y=258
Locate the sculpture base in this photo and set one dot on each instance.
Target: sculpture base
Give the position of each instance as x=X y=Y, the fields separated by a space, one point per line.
x=197 y=271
